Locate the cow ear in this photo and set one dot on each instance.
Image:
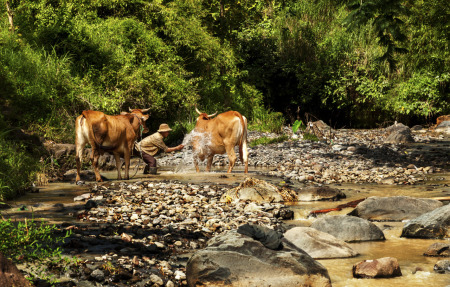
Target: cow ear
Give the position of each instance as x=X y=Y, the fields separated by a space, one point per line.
x=145 y=117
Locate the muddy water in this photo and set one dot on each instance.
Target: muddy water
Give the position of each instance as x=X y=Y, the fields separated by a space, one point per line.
x=47 y=205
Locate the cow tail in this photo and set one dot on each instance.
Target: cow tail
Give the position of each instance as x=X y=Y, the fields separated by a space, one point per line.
x=244 y=127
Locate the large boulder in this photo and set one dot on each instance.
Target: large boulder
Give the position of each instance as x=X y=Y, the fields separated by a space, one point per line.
x=399 y=133
x=256 y=190
x=10 y=275
x=319 y=245
x=314 y=193
x=235 y=259
x=395 y=208
x=434 y=224
x=385 y=267
x=349 y=228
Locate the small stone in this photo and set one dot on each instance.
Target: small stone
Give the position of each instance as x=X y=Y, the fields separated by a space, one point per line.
x=179 y=275
x=156 y=279
x=98 y=275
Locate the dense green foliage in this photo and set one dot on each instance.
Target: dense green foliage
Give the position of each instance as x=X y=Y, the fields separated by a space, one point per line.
x=349 y=63
x=29 y=240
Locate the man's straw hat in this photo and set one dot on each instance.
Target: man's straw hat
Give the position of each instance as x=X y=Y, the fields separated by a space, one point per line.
x=164 y=128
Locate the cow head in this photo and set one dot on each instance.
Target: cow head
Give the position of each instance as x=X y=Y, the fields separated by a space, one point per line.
x=204 y=116
x=139 y=113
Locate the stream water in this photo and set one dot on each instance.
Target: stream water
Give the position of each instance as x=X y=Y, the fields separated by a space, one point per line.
x=55 y=203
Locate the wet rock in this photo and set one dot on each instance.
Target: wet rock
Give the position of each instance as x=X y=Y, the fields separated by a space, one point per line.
x=349 y=228
x=10 y=275
x=395 y=208
x=442 y=266
x=385 y=267
x=238 y=260
x=319 y=245
x=257 y=190
x=434 y=224
x=438 y=249
x=315 y=193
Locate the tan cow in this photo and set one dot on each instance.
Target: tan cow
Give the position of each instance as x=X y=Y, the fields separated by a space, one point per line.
x=219 y=135
x=114 y=134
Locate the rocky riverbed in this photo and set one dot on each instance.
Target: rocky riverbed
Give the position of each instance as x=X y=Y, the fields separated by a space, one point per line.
x=142 y=233
x=342 y=156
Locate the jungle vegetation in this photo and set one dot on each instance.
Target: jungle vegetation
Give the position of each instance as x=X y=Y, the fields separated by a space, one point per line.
x=354 y=64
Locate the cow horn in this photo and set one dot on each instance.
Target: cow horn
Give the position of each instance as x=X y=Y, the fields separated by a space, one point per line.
x=130 y=109
x=145 y=110
x=197 y=110
x=210 y=116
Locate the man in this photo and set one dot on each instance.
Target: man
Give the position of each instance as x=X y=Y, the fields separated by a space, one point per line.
x=152 y=144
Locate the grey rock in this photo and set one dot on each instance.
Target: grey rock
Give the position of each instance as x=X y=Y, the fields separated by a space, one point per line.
x=399 y=133
x=395 y=208
x=442 y=266
x=233 y=259
x=319 y=245
x=434 y=224
x=349 y=228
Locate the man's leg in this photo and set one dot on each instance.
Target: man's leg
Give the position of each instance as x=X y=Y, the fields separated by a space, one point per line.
x=151 y=163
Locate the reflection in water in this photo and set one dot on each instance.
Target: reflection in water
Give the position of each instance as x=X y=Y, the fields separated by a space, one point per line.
x=407 y=251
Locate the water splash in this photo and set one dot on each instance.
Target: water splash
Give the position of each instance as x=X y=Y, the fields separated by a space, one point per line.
x=203 y=141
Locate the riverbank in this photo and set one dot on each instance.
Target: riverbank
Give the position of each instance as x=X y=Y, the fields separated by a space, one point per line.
x=141 y=232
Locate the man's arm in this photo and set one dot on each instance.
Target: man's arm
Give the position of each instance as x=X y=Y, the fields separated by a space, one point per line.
x=178 y=147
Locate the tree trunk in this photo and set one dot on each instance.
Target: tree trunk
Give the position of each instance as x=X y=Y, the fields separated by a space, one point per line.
x=10 y=17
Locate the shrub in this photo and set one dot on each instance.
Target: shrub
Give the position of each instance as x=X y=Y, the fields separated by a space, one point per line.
x=17 y=167
x=29 y=240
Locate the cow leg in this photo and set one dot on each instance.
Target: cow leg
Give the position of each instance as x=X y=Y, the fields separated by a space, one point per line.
x=243 y=155
x=95 y=156
x=79 y=156
x=118 y=165
x=231 y=157
x=126 y=157
x=196 y=164
x=209 y=161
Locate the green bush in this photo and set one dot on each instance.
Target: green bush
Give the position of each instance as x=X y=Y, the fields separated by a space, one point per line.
x=29 y=240
x=266 y=121
x=17 y=167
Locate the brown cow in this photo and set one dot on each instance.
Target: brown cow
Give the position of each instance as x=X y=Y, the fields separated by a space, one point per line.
x=115 y=134
x=219 y=135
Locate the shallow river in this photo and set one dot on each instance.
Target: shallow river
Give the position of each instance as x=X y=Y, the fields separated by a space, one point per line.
x=47 y=205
